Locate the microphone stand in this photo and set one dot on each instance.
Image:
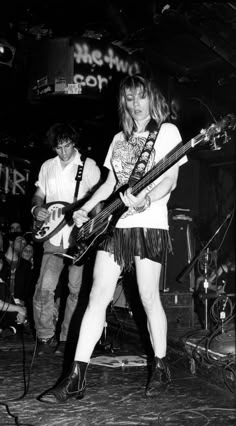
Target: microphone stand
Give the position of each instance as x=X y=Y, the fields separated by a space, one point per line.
x=206 y=286
x=188 y=269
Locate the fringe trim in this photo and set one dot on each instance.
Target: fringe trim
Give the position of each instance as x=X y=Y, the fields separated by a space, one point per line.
x=125 y=243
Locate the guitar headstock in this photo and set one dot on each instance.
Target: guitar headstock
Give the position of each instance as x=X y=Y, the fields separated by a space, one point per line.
x=217 y=134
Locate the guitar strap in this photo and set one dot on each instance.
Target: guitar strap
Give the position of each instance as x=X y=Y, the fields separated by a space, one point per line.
x=142 y=161
x=78 y=177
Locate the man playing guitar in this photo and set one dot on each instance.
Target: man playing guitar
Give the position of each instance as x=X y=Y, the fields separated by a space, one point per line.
x=59 y=183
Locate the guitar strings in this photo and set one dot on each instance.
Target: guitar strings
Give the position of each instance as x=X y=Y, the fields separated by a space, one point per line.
x=106 y=212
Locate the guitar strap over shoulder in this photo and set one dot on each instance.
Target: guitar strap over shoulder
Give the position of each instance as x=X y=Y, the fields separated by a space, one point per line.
x=142 y=161
x=78 y=177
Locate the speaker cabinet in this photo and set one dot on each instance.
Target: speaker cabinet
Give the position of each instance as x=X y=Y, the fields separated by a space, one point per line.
x=183 y=251
x=120 y=297
x=186 y=193
x=179 y=309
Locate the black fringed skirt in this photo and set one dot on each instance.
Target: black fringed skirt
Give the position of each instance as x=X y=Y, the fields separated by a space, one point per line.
x=125 y=243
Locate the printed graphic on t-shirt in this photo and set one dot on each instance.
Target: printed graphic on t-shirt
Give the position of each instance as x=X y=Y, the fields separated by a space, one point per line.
x=124 y=158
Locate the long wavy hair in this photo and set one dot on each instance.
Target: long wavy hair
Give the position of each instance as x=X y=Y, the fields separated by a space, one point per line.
x=158 y=107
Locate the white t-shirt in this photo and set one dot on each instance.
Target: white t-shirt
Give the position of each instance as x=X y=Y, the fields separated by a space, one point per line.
x=58 y=184
x=122 y=157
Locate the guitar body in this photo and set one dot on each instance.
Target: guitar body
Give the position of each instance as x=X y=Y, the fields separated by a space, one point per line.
x=83 y=247
x=43 y=230
x=60 y=214
x=97 y=228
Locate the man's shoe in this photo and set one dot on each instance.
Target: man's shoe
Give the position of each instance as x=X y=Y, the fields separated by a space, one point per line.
x=45 y=346
x=60 y=349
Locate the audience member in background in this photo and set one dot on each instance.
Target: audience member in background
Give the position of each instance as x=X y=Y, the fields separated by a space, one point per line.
x=27 y=256
x=12 y=257
x=57 y=182
x=16 y=272
x=28 y=253
x=10 y=316
x=12 y=312
x=4 y=233
x=15 y=227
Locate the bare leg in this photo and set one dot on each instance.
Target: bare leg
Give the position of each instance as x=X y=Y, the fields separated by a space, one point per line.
x=106 y=274
x=148 y=277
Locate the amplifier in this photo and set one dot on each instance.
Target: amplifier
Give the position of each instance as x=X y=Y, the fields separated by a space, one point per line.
x=183 y=251
x=119 y=297
x=179 y=308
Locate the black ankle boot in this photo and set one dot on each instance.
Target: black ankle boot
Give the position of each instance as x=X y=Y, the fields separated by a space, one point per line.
x=159 y=377
x=73 y=385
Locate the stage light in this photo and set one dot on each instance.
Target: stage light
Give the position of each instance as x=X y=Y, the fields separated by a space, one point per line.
x=7 y=53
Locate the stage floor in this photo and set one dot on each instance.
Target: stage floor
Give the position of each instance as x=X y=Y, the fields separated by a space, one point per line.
x=115 y=386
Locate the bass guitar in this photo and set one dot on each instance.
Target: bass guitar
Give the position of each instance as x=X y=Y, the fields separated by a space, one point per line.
x=98 y=227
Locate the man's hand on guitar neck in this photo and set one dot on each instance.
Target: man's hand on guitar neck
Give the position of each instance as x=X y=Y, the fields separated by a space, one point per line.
x=80 y=217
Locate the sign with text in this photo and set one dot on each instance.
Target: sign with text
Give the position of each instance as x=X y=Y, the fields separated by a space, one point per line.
x=97 y=64
x=14 y=175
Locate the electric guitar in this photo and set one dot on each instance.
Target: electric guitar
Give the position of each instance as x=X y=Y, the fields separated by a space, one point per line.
x=102 y=224
x=60 y=214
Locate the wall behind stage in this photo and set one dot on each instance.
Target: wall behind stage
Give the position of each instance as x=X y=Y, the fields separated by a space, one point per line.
x=14 y=189
x=49 y=60
x=82 y=66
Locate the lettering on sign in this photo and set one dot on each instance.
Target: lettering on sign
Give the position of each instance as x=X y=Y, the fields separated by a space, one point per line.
x=92 y=81
x=94 y=67
x=12 y=180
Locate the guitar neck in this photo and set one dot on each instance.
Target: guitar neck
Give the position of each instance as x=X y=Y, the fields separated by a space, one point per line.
x=162 y=166
x=180 y=150
x=74 y=206
x=173 y=157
